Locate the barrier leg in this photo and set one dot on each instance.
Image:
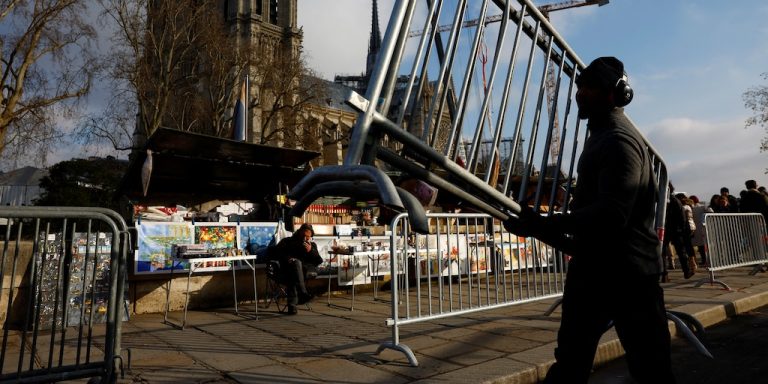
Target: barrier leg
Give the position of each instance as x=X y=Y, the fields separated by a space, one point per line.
x=711 y=280
x=553 y=306
x=758 y=268
x=685 y=328
x=402 y=348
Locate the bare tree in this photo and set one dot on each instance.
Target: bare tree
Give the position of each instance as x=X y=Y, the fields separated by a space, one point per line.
x=756 y=99
x=178 y=64
x=226 y=64
x=287 y=88
x=47 y=66
x=173 y=66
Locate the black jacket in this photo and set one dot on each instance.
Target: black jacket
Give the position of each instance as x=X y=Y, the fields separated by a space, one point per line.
x=754 y=202
x=612 y=215
x=675 y=221
x=293 y=247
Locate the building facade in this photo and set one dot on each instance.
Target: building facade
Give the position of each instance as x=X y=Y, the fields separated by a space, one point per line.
x=269 y=29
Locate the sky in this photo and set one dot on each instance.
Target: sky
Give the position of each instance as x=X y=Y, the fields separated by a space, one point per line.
x=689 y=63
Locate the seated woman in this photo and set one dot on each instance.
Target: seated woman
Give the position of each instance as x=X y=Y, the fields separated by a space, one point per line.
x=299 y=259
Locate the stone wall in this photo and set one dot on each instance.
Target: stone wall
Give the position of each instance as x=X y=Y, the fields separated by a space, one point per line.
x=147 y=294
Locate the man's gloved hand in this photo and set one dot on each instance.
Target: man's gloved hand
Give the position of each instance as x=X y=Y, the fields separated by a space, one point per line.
x=528 y=223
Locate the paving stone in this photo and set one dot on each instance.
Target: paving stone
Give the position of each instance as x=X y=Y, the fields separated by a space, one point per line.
x=512 y=344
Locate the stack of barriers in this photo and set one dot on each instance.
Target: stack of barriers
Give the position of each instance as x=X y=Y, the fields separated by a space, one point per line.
x=478 y=110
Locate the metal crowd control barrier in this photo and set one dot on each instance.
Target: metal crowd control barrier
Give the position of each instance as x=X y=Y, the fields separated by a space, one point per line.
x=474 y=98
x=734 y=240
x=466 y=263
x=62 y=273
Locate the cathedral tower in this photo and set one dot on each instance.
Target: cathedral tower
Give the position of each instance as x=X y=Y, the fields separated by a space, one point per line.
x=269 y=27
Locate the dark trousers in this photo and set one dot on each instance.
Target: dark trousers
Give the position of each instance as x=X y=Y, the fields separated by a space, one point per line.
x=634 y=305
x=703 y=253
x=294 y=276
x=680 y=250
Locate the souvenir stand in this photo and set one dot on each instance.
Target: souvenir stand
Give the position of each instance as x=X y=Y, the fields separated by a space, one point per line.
x=181 y=169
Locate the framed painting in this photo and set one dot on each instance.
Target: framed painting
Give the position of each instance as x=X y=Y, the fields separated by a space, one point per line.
x=155 y=240
x=219 y=237
x=254 y=238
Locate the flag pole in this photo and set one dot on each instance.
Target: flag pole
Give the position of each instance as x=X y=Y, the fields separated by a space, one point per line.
x=245 y=112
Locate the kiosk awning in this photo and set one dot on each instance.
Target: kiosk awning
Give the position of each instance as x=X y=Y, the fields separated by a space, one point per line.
x=189 y=168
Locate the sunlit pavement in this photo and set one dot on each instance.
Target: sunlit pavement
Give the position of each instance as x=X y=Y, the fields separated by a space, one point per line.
x=335 y=344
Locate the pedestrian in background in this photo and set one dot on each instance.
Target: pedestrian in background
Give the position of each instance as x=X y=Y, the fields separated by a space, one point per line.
x=753 y=201
x=675 y=224
x=689 y=227
x=730 y=204
x=719 y=204
x=613 y=274
x=699 y=239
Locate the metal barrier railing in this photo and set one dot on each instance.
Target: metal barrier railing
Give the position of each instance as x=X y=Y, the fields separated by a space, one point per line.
x=734 y=240
x=63 y=275
x=482 y=111
x=466 y=263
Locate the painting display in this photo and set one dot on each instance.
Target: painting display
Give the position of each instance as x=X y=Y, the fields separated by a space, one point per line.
x=353 y=270
x=448 y=254
x=254 y=238
x=330 y=265
x=216 y=237
x=444 y=255
x=155 y=241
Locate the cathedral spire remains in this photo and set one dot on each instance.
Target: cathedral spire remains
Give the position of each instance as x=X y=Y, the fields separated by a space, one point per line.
x=374 y=44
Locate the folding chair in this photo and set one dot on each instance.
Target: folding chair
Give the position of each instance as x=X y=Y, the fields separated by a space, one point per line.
x=276 y=290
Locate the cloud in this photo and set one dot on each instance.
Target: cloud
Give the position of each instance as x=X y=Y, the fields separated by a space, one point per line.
x=702 y=155
x=336 y=33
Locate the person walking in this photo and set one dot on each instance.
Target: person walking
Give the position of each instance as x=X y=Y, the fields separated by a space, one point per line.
x=613 y=274
x=674 y=235
x=689 y=226
x=699 y=239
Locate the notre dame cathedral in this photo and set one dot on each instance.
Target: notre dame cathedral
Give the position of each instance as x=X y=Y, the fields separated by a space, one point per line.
x=271 y=25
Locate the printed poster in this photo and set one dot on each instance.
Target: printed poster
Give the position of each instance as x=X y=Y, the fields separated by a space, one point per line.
x=155 y=240
x=330 y=265
x=444 y=255
x=523 y=253
x=353 y=270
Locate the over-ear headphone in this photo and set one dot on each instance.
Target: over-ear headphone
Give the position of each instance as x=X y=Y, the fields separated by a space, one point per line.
x=622 y=92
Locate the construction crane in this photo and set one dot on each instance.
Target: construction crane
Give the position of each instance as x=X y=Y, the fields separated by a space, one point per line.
x=545 y=9
x=466 y=24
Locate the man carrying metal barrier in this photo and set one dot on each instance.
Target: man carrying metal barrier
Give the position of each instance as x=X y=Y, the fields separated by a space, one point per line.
x=425 y=116
x=609 y=231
